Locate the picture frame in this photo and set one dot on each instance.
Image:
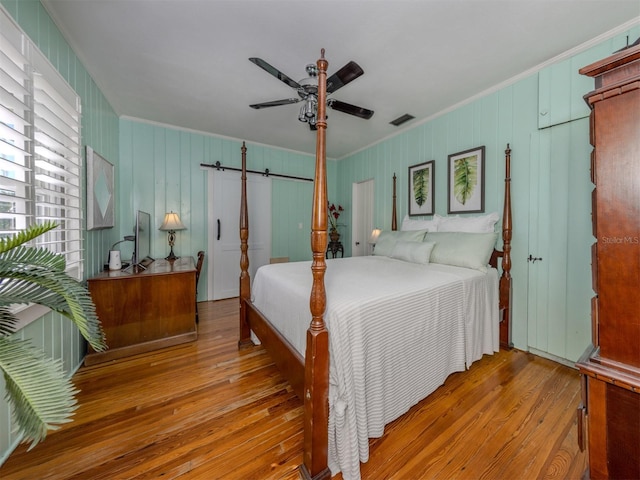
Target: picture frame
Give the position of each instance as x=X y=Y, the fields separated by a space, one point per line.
x=100 y=191
x=466 y=181
x=421 y=188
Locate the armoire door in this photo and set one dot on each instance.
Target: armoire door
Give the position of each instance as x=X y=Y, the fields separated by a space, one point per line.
x=560 y=238
x=224 y=229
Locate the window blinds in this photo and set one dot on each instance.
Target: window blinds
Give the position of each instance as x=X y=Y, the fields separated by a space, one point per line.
x=40 y=145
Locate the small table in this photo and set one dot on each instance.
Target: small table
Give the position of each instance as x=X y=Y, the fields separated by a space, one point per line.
x=334 y=248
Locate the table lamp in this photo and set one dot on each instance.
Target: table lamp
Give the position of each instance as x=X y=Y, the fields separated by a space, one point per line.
x=170 y=224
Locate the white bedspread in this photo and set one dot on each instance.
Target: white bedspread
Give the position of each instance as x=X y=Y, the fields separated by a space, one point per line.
x=397 y=330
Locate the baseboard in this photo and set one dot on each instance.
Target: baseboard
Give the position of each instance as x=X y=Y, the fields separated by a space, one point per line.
x=549 y=356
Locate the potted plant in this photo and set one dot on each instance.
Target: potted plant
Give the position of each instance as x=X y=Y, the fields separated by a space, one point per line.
x=334 y=215
x=37 y=388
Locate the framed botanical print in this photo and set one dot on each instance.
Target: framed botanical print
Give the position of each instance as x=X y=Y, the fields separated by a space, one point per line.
x=421 y=186
x=466 y=181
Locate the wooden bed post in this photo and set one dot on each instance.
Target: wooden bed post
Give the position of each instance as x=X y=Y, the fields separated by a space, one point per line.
x=505 y=279
x=316 y=384
x=394 y=218
x=245 y=280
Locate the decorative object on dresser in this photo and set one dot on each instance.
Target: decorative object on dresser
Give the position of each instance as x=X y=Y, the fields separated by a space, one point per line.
x=466 y=181
x=171 y=224
x=610 y=412
x=421 y=188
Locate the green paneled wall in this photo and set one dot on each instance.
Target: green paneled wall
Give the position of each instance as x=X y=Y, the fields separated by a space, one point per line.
x=511 y=115
x=54 y=333
x=160 y=170
x=506 y=116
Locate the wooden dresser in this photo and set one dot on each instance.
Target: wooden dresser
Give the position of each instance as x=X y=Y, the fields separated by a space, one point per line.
x=610 y=414
x=143 y=310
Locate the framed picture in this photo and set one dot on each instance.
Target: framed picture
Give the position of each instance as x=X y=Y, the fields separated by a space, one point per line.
x=466 y=181
x=100 y=194
x=421 y=185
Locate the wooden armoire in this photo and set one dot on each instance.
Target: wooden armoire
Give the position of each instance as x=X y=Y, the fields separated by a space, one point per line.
x=609 y=418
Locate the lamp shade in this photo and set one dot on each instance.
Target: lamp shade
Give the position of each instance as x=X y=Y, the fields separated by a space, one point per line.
x=172 y=222
x=374 y=236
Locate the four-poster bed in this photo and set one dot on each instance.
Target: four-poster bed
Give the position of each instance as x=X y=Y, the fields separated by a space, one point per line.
x=305 y=362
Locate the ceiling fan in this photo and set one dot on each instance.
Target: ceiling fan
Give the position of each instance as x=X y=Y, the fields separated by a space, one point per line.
x=307 y=90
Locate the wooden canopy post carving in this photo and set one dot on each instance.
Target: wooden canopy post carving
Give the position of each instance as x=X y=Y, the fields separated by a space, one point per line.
x=505 y=279
x=245 y=280
x=394 y=219
x=316 y=385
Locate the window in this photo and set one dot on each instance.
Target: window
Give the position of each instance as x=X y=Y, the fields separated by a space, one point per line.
x=40 y=154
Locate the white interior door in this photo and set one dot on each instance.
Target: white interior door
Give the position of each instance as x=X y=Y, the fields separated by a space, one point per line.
x=362 y=218
x=224 y=231
x=560 y=238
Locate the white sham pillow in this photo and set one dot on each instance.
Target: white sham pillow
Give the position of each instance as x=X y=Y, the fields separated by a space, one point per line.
x=415 y=224
x=388 y=238
x=414 y=252
x=462 y=249
x=478 y=224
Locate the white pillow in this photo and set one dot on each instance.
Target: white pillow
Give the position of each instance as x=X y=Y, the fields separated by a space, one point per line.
x=413 y=224
x=388 y=238
x=479 y=224
x=414 y=252
x=462 y=249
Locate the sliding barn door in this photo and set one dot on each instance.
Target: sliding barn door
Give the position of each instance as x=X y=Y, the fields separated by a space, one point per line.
x=559 y=257
x=224 y=229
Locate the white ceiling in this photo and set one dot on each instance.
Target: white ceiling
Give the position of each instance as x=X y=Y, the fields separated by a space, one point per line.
x=185 y=62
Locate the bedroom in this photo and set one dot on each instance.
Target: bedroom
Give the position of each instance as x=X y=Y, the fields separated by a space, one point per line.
x=133 y=145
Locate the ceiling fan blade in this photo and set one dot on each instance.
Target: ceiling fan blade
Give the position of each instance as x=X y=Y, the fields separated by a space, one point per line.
x=275 y=103
x=350 y=109
x=275 y=72
x=346 y=74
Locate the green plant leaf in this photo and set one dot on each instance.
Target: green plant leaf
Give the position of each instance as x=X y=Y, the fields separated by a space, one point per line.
x=465 y=178
x=38 y=391
x=421 y=186
x=36 y=385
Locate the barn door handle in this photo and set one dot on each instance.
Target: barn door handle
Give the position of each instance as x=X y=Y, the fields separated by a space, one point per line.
x=218 y=229
x=533 y=259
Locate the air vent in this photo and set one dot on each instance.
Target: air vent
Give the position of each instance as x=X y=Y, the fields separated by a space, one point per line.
x=402 y=119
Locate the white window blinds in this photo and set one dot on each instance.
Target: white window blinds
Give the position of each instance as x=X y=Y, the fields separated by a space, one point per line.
x=40 y=160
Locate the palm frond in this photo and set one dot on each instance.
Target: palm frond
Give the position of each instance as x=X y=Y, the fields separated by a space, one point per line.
x=25 y=236
x=38 y=392
x=37 y=387
x=21 y=257
x=8 y=321
x=465 y=178
x=36 y=275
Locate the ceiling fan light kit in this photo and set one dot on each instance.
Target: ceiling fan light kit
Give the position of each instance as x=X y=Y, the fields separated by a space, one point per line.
x=307 y=90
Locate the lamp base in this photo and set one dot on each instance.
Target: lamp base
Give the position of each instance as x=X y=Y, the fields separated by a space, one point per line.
x=171 y=256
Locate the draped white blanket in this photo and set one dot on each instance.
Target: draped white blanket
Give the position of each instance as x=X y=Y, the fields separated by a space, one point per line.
x=396 y=331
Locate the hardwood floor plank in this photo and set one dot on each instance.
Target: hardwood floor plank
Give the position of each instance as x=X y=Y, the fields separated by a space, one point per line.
x=210 y=411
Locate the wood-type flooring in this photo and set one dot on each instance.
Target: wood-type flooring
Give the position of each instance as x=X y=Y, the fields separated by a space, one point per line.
x=210 y=411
